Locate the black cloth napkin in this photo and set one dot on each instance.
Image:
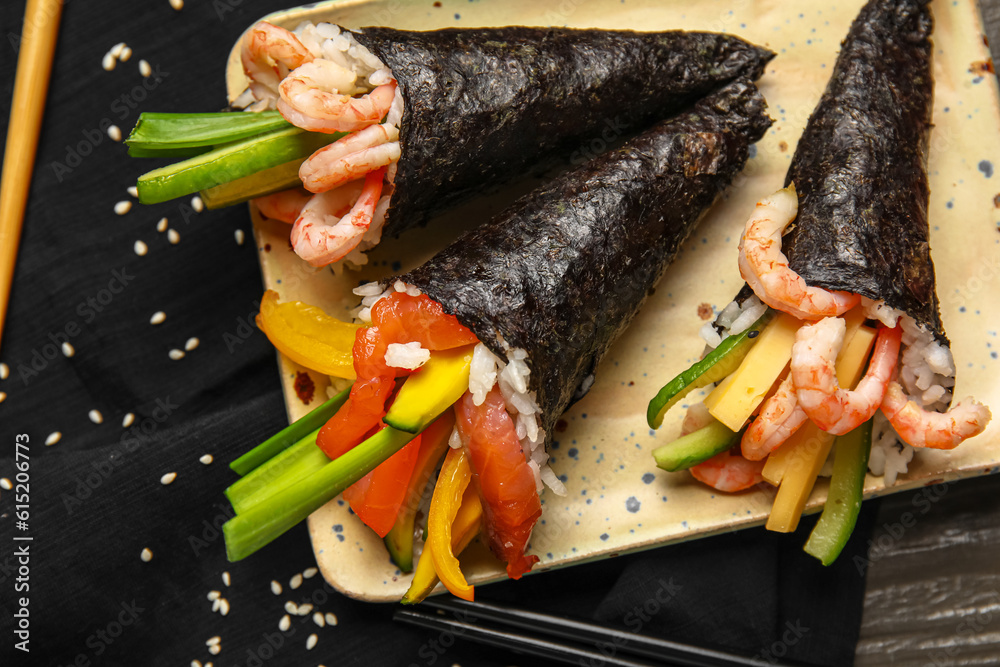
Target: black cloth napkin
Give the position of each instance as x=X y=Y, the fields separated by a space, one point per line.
x=95 y=497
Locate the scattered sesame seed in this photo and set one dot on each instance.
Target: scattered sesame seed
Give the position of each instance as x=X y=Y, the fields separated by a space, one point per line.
x=67 y=349
x=213 y=640
x=224 y=607
x=309 y=572
x=290 y=606
x=53 y=438
x=140 y=248
x=217 y=604
x=3 y=396
x=275 y=587
x=214 y=595
x=208 y=664
x=173 y=236
x=144 y=69
x=108 y=62
x=285 y=623
x=239 y=236
x=305 y=609
x=177 y=4
x=225 y=578
x=4 y=371
x=176 y=354
x=191 y=343
x=125 y=54
x=161 y=226
x=96 y=416
x=206 y=459
x=116 y=50
x=128 y=419
x=5 y=484
x=146 y=555
x=318 y=619
x=295 y=581
x=196 y=663
x=311 y=642
x=123 y=207
x=115 y=133
x=331 y=619
x=197 y=204
x=214 y=649
x=132 y=190
x=158 y=317
x=168 y=478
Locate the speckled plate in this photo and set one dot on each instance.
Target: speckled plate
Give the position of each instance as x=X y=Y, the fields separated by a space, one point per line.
x=618 y=501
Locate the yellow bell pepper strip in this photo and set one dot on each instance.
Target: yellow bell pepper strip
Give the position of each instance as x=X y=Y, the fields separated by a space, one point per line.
x=433 y=444
x=468 y=523
x=308 y=336
x=452 y=482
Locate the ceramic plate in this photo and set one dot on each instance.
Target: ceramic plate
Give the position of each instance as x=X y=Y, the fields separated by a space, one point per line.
x=618 y=501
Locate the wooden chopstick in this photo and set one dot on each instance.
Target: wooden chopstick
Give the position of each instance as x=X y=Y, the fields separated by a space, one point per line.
x=604 y=640
x=34 y=64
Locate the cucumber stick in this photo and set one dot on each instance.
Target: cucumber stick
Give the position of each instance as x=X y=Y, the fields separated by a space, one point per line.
x=186 y=134
x=695 y=447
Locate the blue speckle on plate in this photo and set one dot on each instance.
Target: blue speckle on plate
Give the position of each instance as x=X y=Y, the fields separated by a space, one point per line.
x=397 y=266
x=338 y=528
x=573 y=453
x=986 y=167
x=458 y=16
x=340 y=537
x=648 y=478
x=632 y=504
x=604 y=537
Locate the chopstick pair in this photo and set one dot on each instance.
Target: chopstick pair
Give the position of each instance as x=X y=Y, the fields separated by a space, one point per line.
x=583 y=643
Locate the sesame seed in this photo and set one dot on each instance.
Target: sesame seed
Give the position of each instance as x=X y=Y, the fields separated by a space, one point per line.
x=125 y=54
x=295 y=581
x=305 y=609
x=128 y=419
x=123 y=207
x=197 y=204
x=311 y=642
x=115 y=133
x=208 y=664
x=206 y=459
x=239 y=236
x=176 y=354
x=216 y=604
x=225 y=578
x=132 y=190
x=158 y=317
x=224 y=607
x=161 y=226
x=318 y=619
x=173 y=236
x=214 y=595
x=191 y=343
x=140 y=248
x=177 y=4
x=5 y=484
x=285 y=623
x=309 y=572
x=96 y=416
x=53 y=438
x=146 y=555
x=3 y=396
x=331 y=619
x=168 y=478
x=290 y=606
x=116 y=50
x=67 y=349
x=108 y=62
x=275 y=587
x=196 y=663
x=214 y=649
x=144 y=69
x=4 y=371
x=214 y=640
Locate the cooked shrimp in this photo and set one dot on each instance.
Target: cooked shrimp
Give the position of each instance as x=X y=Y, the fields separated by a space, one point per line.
x=284 y=206
x=780 y=416
x=728 y=472
x=765 y=267
x=350 y=157
x=814 y=354
x=306 y=104
x=323 y=233
x=268 y=53
x=697 y=417
x=937 y=430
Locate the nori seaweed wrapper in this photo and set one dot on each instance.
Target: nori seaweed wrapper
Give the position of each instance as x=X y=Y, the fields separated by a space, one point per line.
x=860 y=168
x=486 y=105
x=562 y=271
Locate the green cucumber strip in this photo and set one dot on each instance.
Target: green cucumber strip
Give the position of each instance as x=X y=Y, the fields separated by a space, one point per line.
x=266 y=182
x=717 y=364
x=695 y=447
x=265 y=521
x=155 y=132
x=287 y=468
x=843 y=501
x=290 y=435
x=228 y=163
x=134 y=151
